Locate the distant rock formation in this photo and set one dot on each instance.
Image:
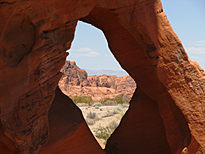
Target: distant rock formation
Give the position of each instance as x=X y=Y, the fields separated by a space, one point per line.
x=108 y=72
x=75 y=81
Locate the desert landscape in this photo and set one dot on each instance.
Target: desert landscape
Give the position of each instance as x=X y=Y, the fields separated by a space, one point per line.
x=102 y=99
x=76 y=82
x=103 y=119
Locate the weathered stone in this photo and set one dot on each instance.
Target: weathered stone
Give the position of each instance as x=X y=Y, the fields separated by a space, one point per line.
x=68 y=130
x=75 y=81
x=34 y=37
x=149 y=135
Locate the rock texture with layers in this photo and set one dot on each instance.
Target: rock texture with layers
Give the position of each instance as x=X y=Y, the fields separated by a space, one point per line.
x=76 y=82
x=34 y=37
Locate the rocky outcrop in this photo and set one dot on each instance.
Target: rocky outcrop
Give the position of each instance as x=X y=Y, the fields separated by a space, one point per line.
x=34 y=37
x=75 y=82
x=147 y=119
x=68 y=133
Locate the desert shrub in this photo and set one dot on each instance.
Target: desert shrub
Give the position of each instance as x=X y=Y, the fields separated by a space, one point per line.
x=119 y=99
x=112 y=113
x=122 y=113
x=82 y=99
x=105 y=132
x=115 y=111
x=113 y=125
x=97 y=104
x=110 y=103
x=90 y=122
x=108 y=114
x=102 y=101
x=91 y=115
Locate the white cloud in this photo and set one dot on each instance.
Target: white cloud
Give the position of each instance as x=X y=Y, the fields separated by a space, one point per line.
x=84 y=52
x=81 y=50
x=85 y=49
x=92 y=54
x=89 y=54
x=196 y=50
x=70 y=50
x=196 y=58
x=106 y=55
x=199 y=43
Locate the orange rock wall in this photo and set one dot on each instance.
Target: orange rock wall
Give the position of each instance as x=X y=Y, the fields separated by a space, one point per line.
x=149 y=135
x=76 y=82
x=34 y=36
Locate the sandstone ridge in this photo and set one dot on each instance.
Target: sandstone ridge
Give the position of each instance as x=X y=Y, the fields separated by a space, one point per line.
x=76 y=82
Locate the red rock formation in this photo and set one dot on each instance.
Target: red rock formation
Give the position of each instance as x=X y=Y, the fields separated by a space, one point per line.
x=149 y=136
x=75 y=81
x=68 y=130
x=73 y=75
x=34 y=36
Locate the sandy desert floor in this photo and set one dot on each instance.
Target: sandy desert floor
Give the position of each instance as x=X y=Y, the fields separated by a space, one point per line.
x=103 y=119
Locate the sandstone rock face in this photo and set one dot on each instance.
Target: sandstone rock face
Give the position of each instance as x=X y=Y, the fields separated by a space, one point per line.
x=34 y=37
x=149 y=135
x=68 y=133
x=75 y=82
x=73 y=75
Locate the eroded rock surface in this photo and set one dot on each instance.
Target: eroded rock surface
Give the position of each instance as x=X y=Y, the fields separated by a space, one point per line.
x=69 y=132
x=144 y=118
x=76 y=82
x=34 y=37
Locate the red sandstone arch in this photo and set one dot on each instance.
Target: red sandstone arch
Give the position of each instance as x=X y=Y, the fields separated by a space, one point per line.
x=166 y=111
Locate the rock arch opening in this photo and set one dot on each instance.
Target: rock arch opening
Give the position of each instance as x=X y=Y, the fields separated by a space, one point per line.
x=102 y=94
x=137 y=53
x=131 y=44
x=90 y=49
x=38 y=118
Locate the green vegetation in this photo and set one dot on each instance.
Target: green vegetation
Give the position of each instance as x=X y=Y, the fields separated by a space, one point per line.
x=105 y=132
x=82 y=99
x=92 y=117
x=119 y=99
x=120 y=115
x=88 y=100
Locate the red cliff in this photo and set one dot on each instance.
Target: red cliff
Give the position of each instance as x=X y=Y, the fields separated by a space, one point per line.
x=76 y=82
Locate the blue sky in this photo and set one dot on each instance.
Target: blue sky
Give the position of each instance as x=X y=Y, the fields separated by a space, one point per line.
x=187 y=17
